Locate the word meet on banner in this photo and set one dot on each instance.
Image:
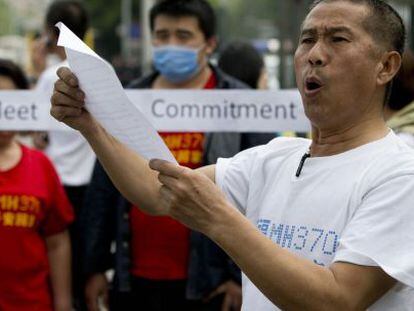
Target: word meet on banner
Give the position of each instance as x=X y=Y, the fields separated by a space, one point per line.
x=21 y=112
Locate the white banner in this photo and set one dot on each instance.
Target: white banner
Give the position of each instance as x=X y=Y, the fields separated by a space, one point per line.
x=23 y=110
x=177 y=110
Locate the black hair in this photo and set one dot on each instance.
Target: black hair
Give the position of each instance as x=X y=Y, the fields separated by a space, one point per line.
x=242 y=61
x=11 y=70
x=200 y=9
x=402 y=91
x=70 y=12
x=384 y=24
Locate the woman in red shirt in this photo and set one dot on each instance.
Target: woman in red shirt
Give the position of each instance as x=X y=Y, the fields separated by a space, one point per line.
x=34 y=216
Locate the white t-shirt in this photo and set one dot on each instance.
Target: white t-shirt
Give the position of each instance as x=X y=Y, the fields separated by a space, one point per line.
x=68 y=150
x=408 y=138
x=357 y=207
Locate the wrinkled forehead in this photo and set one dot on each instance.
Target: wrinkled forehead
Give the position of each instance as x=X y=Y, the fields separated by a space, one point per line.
x=336 y=14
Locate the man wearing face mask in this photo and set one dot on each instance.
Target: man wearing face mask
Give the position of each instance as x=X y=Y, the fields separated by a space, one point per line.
x=168 y=265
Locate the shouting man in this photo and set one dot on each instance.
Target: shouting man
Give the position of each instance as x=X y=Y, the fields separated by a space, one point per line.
x=313 y=224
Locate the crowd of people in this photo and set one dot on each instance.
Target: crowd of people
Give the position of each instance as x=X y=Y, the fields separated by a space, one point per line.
x=245 y=220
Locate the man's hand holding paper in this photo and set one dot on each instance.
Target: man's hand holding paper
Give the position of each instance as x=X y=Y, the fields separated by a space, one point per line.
x=89 y=98
x=68 y=102
x=105 y=99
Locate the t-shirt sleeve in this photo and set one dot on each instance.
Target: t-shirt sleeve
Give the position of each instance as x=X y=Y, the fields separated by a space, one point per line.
x=381 y=232
x=59 y=213
x=233 y=176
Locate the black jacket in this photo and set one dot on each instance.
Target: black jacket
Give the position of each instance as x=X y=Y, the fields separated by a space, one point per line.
x=104 y=218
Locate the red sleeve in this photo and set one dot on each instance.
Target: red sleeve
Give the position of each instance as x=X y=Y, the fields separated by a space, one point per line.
x=59 y=213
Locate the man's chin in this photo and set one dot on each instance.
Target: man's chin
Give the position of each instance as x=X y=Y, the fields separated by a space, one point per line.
x=312 y=101
x=315 y=111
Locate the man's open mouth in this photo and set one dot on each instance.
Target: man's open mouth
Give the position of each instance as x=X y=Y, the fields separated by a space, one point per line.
x=313 y=85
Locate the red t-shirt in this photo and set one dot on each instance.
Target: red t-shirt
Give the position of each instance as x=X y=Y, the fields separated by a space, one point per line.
x=33 y=205
x=160 y=245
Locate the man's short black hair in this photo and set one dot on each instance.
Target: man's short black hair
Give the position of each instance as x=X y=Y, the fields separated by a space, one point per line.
x=12 y=71
x=402 y=91
x=200 y=9
x=384 y=23
x=248 y=65
x=70 y=12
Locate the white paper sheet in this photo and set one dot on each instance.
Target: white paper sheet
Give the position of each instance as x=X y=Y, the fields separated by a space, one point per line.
x=107 y=101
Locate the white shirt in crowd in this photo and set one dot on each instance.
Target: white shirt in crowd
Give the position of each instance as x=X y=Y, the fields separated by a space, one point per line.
x=68 y=150
x=356 y=207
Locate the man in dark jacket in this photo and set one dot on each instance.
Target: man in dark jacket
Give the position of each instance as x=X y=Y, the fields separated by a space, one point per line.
x=157 y=260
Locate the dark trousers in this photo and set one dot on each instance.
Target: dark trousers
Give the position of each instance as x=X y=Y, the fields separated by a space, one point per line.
x=120 y=301
x=214 y=304
x=150 y=295
x=76 y=195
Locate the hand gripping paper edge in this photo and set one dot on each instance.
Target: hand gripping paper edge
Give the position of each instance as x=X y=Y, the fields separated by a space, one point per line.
x=113 y=110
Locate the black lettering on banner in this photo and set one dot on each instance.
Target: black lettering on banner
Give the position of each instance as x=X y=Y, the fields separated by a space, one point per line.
x=18 y=112
x=292 y=107
x=226 y=106
x=9 y=112
x=154 y=112
x=212 y=109
x=232 y=106
x=227 y=110
x=283 y=108
x=33 y=109
x=172 y=111
x=248 y=108
x=265 y=111
x=190 y=109
x=22 y=113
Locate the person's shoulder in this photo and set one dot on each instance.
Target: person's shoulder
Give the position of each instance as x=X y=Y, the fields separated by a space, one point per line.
x=225 y=81
x=38 y=160
x=267 y=157
x=278 y=147
x=399 y=149
x=35 y=155
x=402 y=161
x=288 y=143
x=408 y=138
x=395 y=159
x=143 y=82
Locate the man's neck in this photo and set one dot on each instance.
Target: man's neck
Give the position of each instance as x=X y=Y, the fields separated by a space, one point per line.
x=197 y=82
x=335 y=141
x=388 y=113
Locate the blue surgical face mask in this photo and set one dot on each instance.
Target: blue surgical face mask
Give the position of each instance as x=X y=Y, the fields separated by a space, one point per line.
x=176 y=63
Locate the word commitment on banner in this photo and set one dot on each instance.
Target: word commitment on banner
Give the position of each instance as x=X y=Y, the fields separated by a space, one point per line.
x=176 y=110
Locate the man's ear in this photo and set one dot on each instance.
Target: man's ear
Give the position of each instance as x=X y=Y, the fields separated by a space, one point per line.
x=211 y=45
x=389 y=67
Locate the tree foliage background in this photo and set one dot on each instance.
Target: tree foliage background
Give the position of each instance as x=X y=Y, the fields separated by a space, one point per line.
x=106 y=20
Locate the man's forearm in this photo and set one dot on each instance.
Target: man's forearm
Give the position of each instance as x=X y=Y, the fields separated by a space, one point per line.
x=290 y=282
x=59 y=254
x=128 y=171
